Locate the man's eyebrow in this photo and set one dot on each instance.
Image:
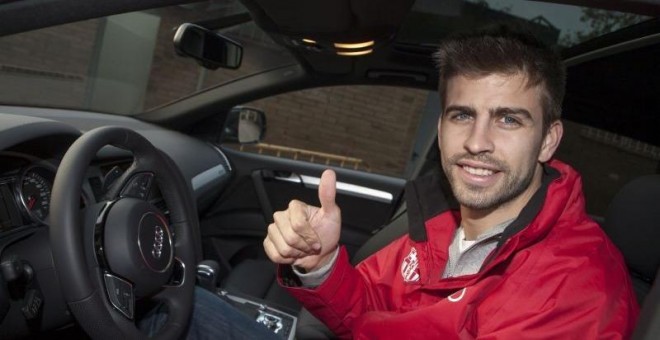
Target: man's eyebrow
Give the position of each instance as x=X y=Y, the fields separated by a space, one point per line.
x=500 y=111
x=462 y=108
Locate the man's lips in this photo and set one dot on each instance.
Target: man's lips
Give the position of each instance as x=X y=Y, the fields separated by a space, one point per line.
x=478 y=174
x=478 y=168
x=478 y=171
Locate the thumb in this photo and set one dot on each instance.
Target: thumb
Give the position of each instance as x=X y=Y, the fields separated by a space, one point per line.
x=328 y=190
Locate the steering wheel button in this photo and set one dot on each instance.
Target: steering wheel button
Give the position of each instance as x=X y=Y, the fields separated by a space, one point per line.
x=138 y=186
x=120 y=294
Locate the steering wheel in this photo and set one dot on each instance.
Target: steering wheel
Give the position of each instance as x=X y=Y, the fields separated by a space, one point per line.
x=123 y=251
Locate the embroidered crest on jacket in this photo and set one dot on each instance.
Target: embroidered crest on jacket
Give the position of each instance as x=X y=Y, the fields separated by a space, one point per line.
x=409 y=266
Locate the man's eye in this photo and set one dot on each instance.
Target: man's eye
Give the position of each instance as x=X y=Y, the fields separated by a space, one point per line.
x=460 y=116
x=510 y=121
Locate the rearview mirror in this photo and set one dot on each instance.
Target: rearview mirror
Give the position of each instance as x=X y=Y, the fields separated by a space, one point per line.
x=244 y=125
x=210 y=49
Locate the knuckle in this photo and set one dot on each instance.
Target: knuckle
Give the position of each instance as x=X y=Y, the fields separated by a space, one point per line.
x=289 y=252
x=290 y=238
x=270 y=253
x=272 y=228
x=294 y=204
x=299 y=226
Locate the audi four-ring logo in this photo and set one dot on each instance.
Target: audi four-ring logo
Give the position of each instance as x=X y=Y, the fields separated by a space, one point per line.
x=157 y=249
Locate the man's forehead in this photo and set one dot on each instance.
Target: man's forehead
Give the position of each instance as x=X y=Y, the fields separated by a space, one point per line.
x=498 y=87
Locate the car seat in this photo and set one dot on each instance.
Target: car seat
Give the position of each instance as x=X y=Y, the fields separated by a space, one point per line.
x=633 y=224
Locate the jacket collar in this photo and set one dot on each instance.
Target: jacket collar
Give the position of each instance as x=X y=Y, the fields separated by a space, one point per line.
x=425 y=199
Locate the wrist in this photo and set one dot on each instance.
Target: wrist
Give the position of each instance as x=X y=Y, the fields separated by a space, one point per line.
x=323 y=261
x=314 y=277
x=326 y=260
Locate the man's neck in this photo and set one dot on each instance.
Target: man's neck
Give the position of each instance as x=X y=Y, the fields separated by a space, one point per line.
x=477 y=222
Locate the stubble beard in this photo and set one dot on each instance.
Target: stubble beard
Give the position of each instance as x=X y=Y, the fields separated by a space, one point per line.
x=512 y=185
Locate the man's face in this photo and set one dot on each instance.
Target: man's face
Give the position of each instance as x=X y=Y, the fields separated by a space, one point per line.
x=492 y=142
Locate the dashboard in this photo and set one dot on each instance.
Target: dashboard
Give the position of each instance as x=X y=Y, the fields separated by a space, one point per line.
x=33 y=141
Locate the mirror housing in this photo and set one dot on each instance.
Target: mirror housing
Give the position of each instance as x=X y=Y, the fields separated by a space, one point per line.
x=210 y=49
x=244 y=125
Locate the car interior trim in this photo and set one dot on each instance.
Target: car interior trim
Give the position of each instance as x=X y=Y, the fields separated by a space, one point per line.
x=614 y=49
x=311 y=182
x=207 y=177
x=222 y=155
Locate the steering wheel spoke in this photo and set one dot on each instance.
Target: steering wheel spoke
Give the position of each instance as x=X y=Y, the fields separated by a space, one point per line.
x=120 y=294
x=178 y=277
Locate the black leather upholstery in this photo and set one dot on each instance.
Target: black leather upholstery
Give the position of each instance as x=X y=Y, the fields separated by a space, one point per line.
x=633 y=224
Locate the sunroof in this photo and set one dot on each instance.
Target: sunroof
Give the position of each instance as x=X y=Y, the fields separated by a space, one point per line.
x=557 y=24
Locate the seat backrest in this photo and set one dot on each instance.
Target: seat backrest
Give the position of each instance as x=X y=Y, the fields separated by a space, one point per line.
x=633 y=224
x=397 y=227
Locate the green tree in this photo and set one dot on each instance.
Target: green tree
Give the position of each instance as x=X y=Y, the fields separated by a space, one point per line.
x=600 y=22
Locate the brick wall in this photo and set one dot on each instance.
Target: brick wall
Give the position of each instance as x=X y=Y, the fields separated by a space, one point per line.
x=57 y=59
x=374 y=123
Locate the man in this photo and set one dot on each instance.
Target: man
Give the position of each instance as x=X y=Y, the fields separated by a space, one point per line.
x=520 y=259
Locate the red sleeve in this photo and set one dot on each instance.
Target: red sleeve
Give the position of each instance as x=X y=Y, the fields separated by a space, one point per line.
x=349 y=292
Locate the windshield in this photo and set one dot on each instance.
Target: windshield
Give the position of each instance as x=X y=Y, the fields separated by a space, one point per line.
x=125 y=64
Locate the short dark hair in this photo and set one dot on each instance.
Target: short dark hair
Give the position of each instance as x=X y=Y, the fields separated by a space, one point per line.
x=505 y=49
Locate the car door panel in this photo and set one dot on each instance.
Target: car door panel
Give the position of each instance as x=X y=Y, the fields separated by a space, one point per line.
x=264 y=184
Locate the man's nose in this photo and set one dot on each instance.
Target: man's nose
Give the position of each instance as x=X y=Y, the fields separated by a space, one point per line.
x=479 y=139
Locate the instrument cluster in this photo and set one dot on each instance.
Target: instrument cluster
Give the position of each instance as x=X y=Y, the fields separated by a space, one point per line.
x=25 y=189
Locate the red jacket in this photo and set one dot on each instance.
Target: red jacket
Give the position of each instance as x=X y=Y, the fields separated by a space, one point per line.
x=554 y=275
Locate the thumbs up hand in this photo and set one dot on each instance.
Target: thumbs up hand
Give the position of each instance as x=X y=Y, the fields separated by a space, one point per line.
x=305 y=235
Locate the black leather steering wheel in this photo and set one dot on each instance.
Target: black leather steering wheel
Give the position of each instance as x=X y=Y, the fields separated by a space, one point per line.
x=123 y=251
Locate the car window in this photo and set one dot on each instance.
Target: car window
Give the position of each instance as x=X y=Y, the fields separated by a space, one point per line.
x=367 y=128
x=124 y=64
x=606 y=161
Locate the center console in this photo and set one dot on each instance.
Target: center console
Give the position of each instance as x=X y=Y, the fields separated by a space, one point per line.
x=280 y=322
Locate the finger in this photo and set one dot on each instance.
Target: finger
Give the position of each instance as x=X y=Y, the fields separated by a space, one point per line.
x=273 y=255
x=300 y=226
x=280 y=245
x=328 y=190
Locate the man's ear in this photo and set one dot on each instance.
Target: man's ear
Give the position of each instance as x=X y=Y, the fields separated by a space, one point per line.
x=551 y=141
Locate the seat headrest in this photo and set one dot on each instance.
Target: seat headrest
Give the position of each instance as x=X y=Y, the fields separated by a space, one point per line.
x=633 y=224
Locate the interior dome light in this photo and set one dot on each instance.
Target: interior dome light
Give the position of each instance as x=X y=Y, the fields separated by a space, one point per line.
x=354 y=46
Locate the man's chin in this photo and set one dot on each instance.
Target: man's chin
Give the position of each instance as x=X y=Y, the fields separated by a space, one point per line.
x=475 y=200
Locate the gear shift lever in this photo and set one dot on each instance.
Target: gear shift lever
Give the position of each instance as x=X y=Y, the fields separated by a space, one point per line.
x=207 y=275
